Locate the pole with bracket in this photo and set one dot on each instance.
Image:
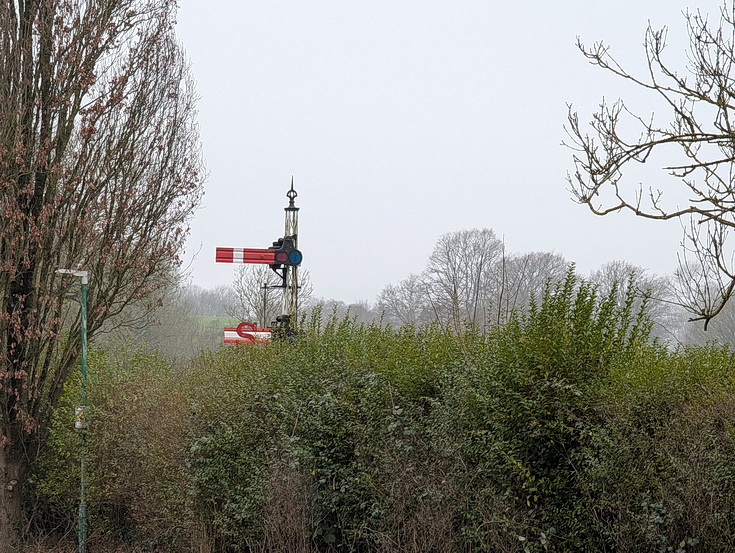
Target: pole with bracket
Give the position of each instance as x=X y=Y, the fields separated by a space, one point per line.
x=81 y=418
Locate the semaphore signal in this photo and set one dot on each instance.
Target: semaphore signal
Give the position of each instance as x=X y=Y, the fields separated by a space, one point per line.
x=284 y=258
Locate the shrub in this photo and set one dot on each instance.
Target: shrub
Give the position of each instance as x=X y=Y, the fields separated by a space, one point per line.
x=513 y=416
x=658 y=468
x=134 y=461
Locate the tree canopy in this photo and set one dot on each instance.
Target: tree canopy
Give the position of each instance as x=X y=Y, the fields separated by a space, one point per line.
x=100 y=169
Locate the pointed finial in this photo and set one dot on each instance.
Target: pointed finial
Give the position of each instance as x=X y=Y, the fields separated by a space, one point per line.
x=291 y=194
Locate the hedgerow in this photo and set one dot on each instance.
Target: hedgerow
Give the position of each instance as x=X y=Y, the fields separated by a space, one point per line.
x=566 y=429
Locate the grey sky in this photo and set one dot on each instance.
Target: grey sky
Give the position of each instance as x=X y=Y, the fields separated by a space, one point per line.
x=403 y=120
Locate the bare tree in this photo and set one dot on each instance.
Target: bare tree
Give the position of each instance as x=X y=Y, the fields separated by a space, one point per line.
x=362 y=312
x=405 y=302
x=521 y=278
x=100 y=170
x=721 y=330
x=694 y=147
x=469 y=280
x=460 y=274
x=258 y=294
x=656 y=291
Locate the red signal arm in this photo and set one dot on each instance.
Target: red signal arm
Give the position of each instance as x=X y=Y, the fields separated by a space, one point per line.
x=246 y=255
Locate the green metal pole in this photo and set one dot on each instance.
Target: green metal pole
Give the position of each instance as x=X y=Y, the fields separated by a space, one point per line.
x=83 y=462
x=81 y=416
x=84 y=339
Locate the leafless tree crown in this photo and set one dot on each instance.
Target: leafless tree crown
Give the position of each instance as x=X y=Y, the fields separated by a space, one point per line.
x=258 y=294
x=469 y=280
x=694 y=146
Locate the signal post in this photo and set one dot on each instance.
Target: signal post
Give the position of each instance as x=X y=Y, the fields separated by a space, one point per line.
x=284 y=259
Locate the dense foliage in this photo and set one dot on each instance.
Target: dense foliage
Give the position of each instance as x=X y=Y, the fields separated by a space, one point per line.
x=565 y=429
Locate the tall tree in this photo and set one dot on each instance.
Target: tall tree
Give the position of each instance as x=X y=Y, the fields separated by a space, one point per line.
x=694 y=147
x=523 y=277
x=405 y=302
x=100 y=169
x=469 y=280
x=460 y=276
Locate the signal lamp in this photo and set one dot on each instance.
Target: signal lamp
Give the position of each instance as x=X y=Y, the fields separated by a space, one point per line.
x=286 y=252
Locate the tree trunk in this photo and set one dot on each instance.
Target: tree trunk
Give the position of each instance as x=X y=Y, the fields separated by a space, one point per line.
x=11 y=476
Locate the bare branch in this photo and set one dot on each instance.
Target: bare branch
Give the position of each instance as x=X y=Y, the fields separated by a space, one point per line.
x=698 y=141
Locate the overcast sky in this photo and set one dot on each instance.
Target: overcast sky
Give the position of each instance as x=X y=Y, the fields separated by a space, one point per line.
x=402 y=120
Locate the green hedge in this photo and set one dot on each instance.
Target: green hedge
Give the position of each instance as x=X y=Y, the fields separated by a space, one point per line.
x=566 y=429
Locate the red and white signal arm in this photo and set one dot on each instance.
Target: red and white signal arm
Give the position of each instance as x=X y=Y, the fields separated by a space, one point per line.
x=245 y=255
x=247 y=333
